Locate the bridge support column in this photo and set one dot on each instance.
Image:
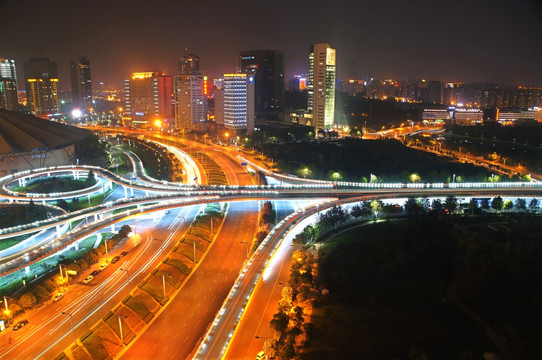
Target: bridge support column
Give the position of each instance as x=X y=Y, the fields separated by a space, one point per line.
x=77 y=246
x=131 y=191
x=112 y=227
x=146 y=193
x=58 y=230
x=125 y=192
x=26 y=269
x=95 y=217
x=138 y=206
x=74 y=173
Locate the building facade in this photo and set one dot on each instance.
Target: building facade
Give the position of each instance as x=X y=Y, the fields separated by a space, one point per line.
x=8 y=94
x=42 y=87
x=267 y=67
x=190 y=95
x=321 y=86
x=81 y=84
x=8 y=70
x=147 y=100
x=238 y=100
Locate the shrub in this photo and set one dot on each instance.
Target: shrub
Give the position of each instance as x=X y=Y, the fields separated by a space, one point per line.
x=27 y=301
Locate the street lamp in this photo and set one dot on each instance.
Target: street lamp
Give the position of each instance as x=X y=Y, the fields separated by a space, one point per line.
x=120 y=327
x=246 y=243
x=164 y=282
x=73 y=330
x=263 y=338
x=194 y=243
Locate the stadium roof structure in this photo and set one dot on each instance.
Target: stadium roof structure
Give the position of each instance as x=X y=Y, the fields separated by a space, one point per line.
x=21 y=133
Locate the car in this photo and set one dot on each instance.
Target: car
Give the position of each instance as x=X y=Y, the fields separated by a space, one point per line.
x=20 y=324
x=260 y=355
x=58 y=297
x=94 y=273
x=103 y=266
x=115 y=259
x=88 y=279
x=124 y=253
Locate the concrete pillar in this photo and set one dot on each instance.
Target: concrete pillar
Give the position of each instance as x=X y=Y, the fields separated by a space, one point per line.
x=146 y=193
x=77 y=246
x=113 y=228
x=131 y=191
x=95 y=217
x=26 y=269
x=125 y=192
x=58 y=230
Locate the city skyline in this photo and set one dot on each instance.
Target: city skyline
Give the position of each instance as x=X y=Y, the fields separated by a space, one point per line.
x=464 y=41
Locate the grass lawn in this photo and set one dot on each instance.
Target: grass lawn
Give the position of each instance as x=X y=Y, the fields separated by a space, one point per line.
x=153 y=289
x=9 y=242
x=80 y=354
x=95 y=347
x=138 y=307
x=179 y=265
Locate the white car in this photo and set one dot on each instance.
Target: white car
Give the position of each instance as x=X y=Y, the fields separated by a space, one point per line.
x=103 y=266
x=58 y=297
x=88 y=279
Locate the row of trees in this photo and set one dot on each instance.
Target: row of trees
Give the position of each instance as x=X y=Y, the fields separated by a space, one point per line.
x=13 y=215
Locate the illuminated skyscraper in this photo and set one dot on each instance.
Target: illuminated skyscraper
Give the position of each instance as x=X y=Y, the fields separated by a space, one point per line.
x=239 y=102
x=267 y=67
x=190 y=95
x=321 y=85
x=81 y=84
x=8 y=70
x=147 y=99
x=42 y=87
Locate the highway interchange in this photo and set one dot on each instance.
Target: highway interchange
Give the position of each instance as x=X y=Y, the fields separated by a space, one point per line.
x=183 y=325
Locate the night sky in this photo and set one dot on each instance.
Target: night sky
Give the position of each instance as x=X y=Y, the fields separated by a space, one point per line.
x=461 y=40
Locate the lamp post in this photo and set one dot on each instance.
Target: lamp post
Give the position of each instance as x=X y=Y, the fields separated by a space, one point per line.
x=194 y=243
x=263 y=338
x=73 y=330
x=62 y=277
x=164 y=282
x=246 y=243
x=6 y=311
x=120 y=327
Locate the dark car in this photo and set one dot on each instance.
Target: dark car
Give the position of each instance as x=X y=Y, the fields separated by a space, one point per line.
x=115 y=259
x=124 y=253
x=19 y=325
x=94 y=273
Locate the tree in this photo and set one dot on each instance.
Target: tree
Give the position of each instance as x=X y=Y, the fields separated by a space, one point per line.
x=279 y=322
x=40 y=293
x=497 y=203
x=533 y=205
x=521 y=204
x=508 y=205
x=356 y=211
x=412 y=208
x=473 y=205
x=436 y=206
x=124 y=231
x=450 y=204
x=376 y=206
x=91 y=178
x=300 y=240
x=49 y=285
x=27 y=300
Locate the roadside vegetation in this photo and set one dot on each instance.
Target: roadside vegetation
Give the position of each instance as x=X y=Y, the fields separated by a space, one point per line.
x=20 y=214
x=157 y=161
x=437 y=286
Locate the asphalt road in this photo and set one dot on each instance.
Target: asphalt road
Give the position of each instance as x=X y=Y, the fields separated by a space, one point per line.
x=49 y=332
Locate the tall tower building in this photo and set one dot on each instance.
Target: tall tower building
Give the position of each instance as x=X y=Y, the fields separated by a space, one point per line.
x=239 y=102
x=8 y=70
x=81 y=84
x=321 y=85
x=42 y=87
x=189 y=64
x=8 y=85
x=190 y=95
x=147 y=99
x=267 y=67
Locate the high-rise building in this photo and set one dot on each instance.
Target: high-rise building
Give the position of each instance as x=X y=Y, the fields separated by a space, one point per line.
x=8 y=94
x=190 y=101
x=189 y=64
x=8 y=70
x=434 y=92
x=147 y=99
x=239 y=102
x=42 y=87
x=267 y=67
x=190 y=95
x=321 y=84
x=81 y=84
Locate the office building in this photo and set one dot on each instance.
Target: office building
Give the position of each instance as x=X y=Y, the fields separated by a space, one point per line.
x=267 y=68
x=147 y=100
x=81 y=85
x=191 y=89
x=8 y=70
x=42 y=87
x=321 y=86
x=8 y=94
x=239 y=102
